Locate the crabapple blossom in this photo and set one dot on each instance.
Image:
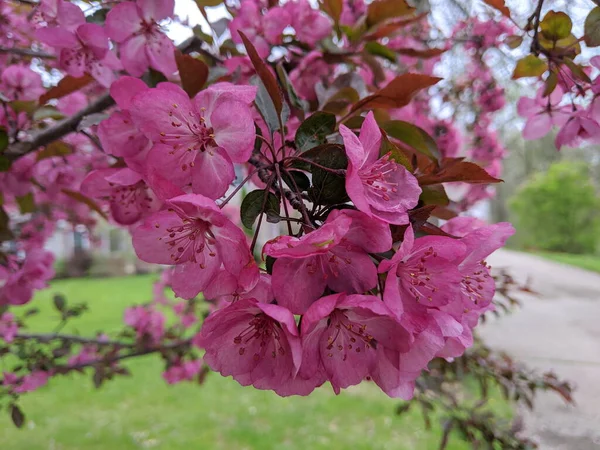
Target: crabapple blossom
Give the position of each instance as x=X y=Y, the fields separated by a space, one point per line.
x=334 y=256
x=542 y=113
x=8 y=327
x=422 y=274
x=147 y=322
x=197 y=141
x=195 y=236
x=84 y=50
x=135 y=26
x=129 y=196
x=378 y=186
x=344 y=335
x=21 y=83
x=255 y=343
x=580 y=126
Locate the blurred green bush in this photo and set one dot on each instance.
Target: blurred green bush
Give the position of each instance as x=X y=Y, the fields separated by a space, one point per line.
x=558 y=210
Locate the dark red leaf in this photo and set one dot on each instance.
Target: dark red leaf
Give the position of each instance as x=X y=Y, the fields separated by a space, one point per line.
x=264 y=73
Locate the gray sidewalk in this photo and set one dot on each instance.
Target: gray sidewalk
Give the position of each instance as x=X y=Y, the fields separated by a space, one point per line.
x=560 y=331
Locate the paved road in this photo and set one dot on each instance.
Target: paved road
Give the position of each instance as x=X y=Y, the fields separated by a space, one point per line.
x=558 y=331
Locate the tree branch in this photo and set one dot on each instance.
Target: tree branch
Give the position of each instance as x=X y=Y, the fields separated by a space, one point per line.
x=58 y=130
x=47 y=337
x=26 y=52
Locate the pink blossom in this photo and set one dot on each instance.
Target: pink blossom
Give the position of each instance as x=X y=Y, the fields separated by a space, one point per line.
x=182 y=371
x=477 y=286
x=352 y=10
x=59 y=13
x=185 y=313
x=21 y=83
x=580 y=126
x=86 y=355
x=309 y=24
x=260 y=30
x=311 y=70
x=135 y=26
x=343 y=337
x=422 y=274
x=84 y=50
x=118 y=135
x=197 y=141
x=542 y=113
x=334 y=256
x=147 y=322
x=72 y=103
x=378 y=186
x=18 y=280
x=195 y=236
x=8 y=327
x=447 y=137
x=396 y=372
x=129 y=196
x=226 y=288
x=17 y=181
x=32 y=382
x=256 y=343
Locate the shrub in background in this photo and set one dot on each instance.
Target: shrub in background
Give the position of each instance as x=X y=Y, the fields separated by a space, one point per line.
x=558 y=210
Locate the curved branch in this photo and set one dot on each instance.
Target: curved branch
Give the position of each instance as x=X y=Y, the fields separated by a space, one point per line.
x=26 y=52
x=58 y=130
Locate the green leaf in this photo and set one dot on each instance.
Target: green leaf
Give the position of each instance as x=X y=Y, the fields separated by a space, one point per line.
x=26 y=203
x=314 y=130
x=98 y=17
x=434 y=195
x=56 y=148
x=3 y=140
x=289 y=88
x=577 y=70
x=395 y=153
x=269 y=264
x=5 y=232
x=209 y=3
x=266 y=108
x=513 y=41
x=299 y=178
x=5 y=163
x=60 y=303
x=550 y=83
x=328 y=188
x=17 y=416
x=592 y=28
x=200 y=34
x=252 y=206
x=78 y=196
x=377 y=49
x=530 y=66
x=556 y=25
x=47 y=112
x=413 y=136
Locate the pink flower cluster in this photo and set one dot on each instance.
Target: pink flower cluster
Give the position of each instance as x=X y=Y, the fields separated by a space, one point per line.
x=19 y=278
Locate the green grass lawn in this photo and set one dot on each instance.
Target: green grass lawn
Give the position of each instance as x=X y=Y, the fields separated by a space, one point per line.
x=142 y=411
x=588 y=262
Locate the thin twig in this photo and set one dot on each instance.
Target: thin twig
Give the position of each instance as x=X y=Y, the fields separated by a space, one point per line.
x=26 y=52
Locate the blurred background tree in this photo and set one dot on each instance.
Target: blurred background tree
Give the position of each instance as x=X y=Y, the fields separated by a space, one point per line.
x=558 y=210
